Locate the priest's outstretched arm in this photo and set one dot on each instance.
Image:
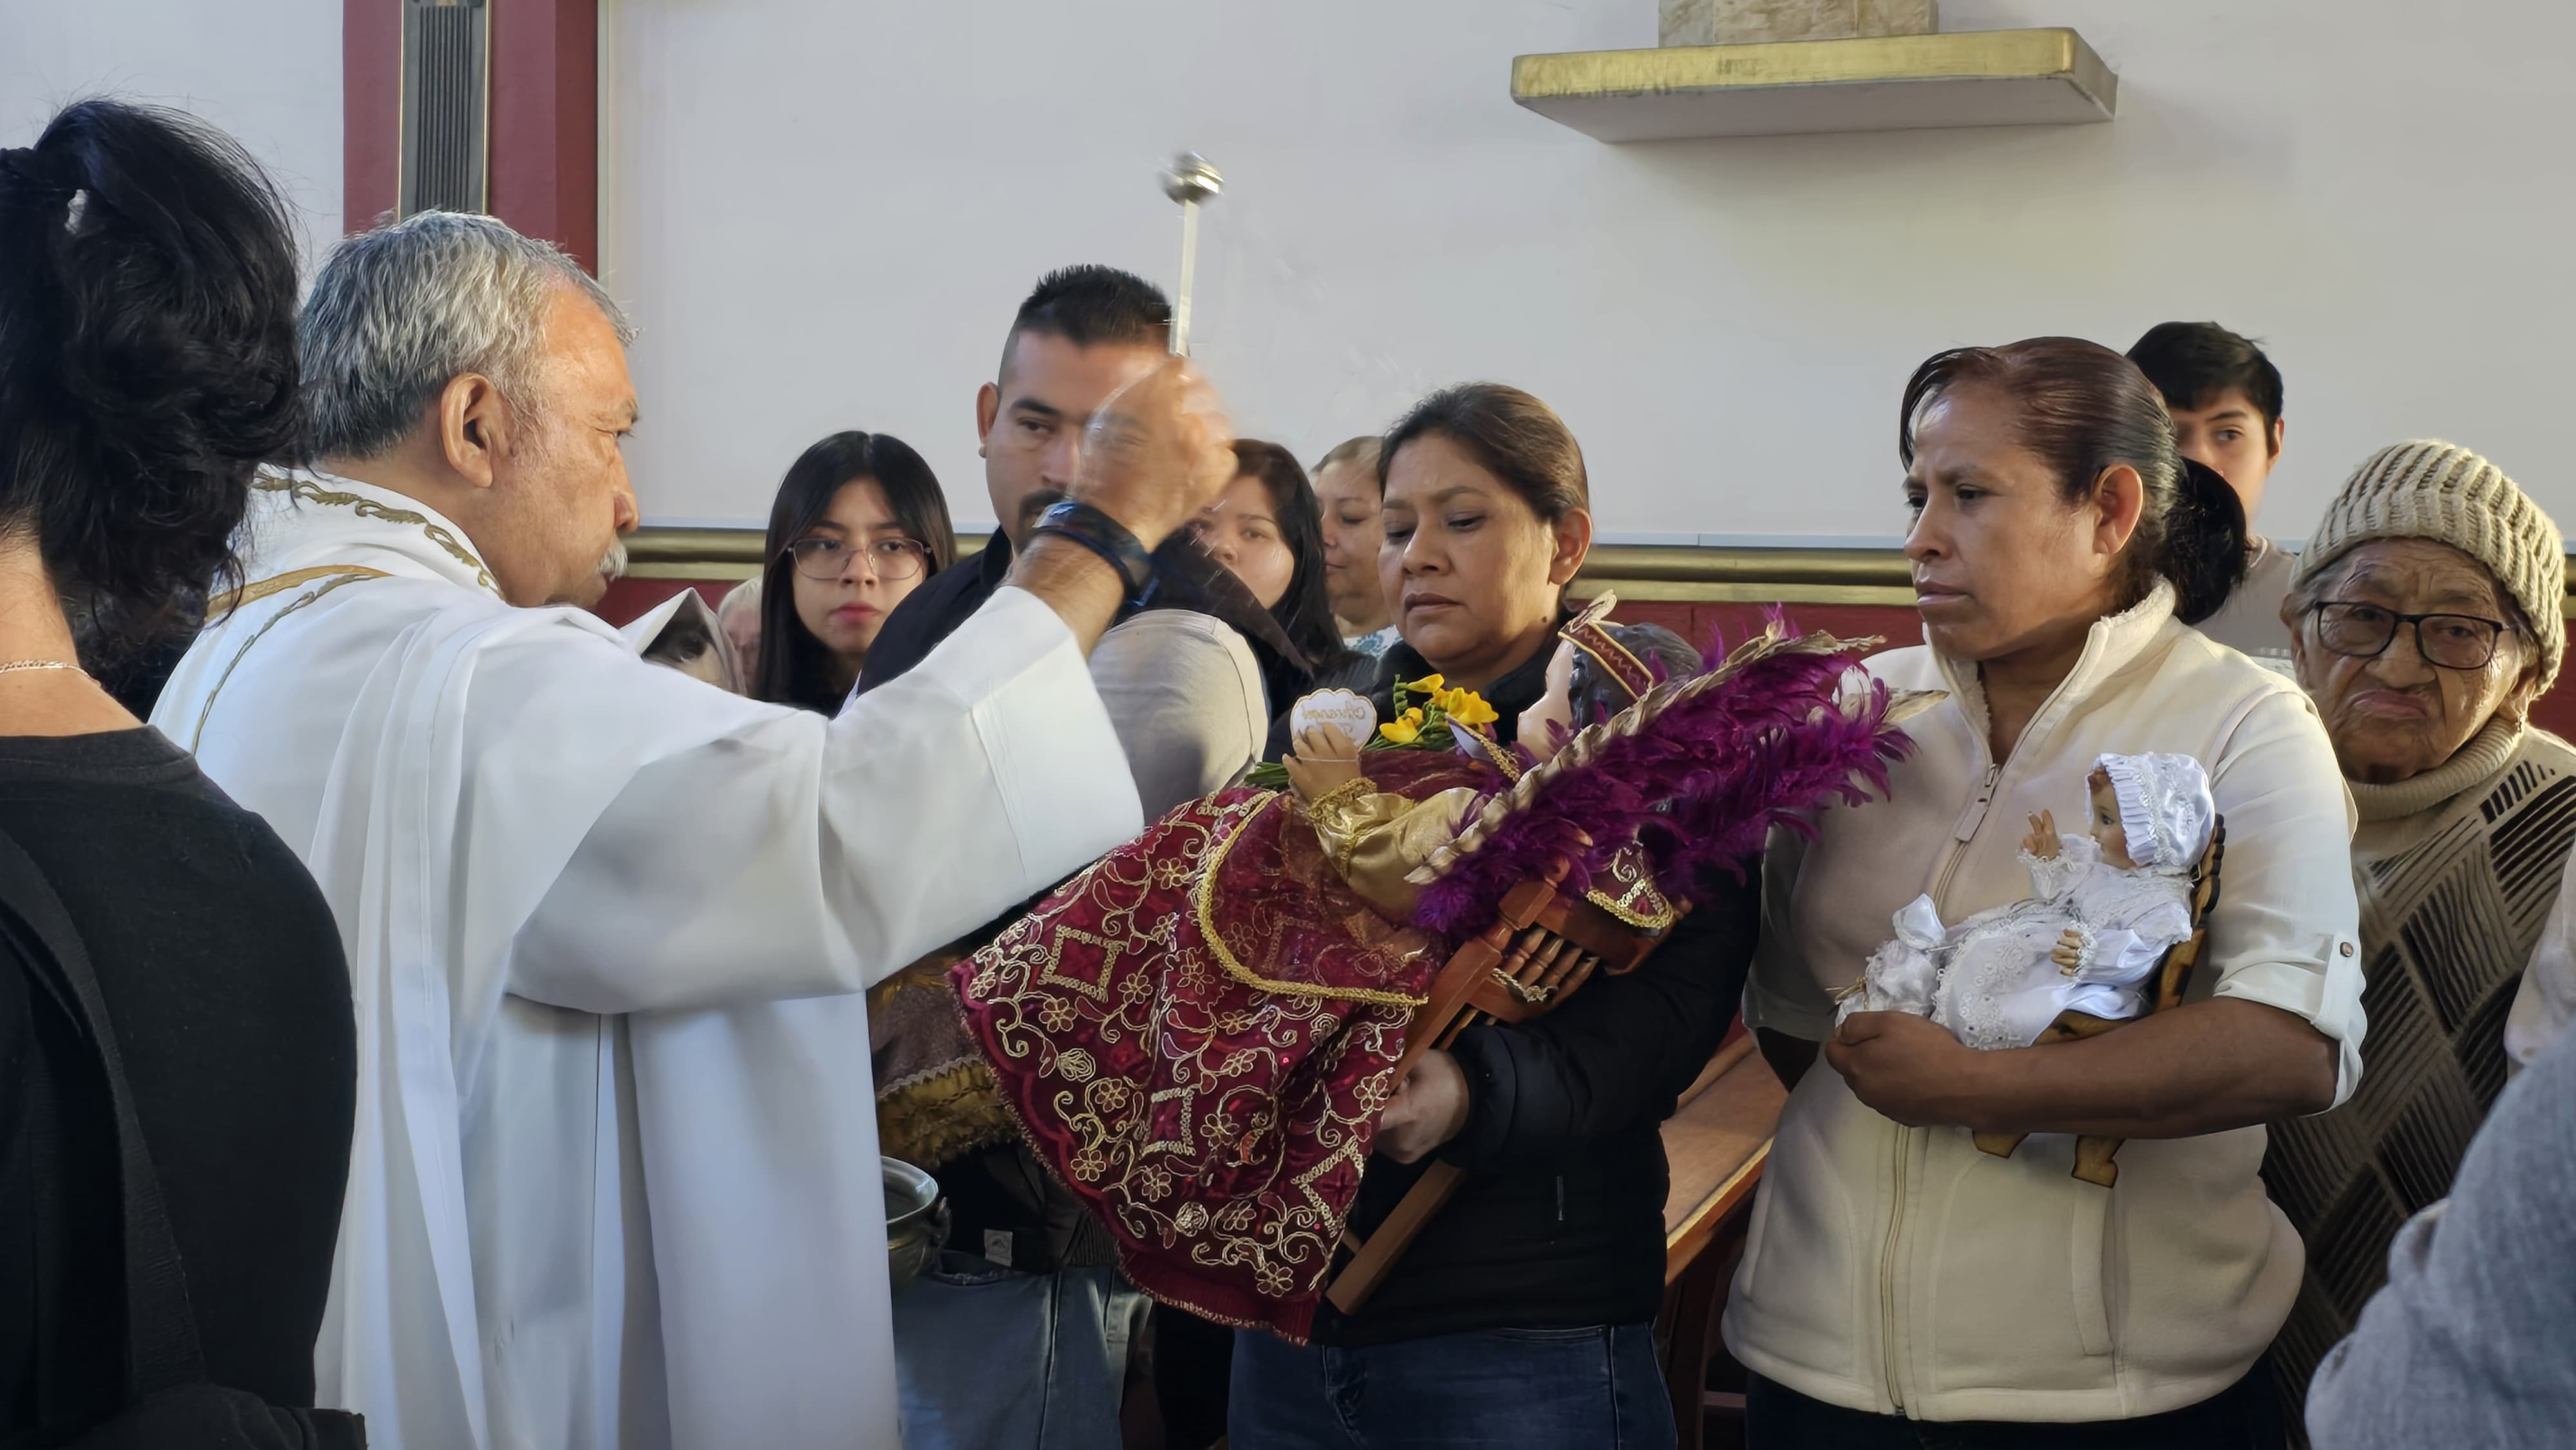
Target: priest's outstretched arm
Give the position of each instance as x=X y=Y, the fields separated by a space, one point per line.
x=773 y=853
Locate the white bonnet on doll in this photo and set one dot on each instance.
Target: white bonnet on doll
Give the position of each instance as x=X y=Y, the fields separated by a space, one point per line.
x=2165 y=808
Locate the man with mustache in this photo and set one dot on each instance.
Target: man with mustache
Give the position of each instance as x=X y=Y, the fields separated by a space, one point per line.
x=616 y=1177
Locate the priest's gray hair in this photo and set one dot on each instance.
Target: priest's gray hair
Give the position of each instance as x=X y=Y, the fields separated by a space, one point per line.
x=399 y=312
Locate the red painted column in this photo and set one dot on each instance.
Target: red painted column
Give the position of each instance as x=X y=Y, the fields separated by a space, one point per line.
x=543 y=163
x=545 y=121
x=370 y=110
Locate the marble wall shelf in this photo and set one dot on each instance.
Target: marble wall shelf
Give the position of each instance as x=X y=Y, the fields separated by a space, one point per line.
x=1888 y=83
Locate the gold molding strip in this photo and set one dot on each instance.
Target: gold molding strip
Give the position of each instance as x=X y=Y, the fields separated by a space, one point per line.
x=1675 y=573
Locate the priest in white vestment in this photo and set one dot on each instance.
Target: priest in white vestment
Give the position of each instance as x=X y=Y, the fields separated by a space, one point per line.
x=615 y=1179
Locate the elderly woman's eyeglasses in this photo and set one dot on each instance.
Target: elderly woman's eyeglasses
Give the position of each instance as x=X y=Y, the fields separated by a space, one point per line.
x=824 y=557
x=2453 y=641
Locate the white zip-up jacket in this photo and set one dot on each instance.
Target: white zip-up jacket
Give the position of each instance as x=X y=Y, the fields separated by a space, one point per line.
x=1900 y=1270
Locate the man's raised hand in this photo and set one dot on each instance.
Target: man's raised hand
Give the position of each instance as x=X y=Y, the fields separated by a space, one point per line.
x=1158 y=453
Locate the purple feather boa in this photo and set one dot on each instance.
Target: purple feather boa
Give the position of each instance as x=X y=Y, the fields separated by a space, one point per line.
x=1700 y=787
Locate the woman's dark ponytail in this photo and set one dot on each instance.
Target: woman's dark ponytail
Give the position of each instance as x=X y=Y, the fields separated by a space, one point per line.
x=2203 y=549
x=147 y=358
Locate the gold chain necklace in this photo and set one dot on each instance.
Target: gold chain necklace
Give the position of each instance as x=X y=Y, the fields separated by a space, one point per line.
x=11 y=667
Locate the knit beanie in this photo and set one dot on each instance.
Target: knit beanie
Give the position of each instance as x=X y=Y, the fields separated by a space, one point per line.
x=2425 y=489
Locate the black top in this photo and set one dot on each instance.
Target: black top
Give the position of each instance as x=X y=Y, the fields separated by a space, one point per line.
x=1559 y=1221
x=222 y=972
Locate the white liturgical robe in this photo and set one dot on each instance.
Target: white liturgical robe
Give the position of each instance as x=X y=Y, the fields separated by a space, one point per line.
x=615 y=1178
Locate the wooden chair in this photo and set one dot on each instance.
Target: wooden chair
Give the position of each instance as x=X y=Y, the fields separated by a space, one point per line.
x=1717 y=1142
x=2093 y=1154
x=1542 y=945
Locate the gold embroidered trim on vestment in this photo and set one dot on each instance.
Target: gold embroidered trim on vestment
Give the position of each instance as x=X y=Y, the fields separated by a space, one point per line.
x=367 y=508
x=349 y=574
x=1203 y=902
x=254 y=593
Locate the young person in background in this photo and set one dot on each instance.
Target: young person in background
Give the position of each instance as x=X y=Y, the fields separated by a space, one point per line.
x=1350 y=494
x=1266 y=530
x=2225 y=397
x=858 y=525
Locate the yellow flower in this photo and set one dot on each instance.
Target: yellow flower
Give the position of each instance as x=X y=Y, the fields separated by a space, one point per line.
x=1403 y=729
x=1428 y=684
x=1467 y=707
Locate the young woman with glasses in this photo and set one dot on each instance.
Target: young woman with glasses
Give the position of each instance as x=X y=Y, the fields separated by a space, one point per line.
x=858 y=524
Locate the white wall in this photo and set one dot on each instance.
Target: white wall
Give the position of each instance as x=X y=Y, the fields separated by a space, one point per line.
x=268 y=71
x=825 y=212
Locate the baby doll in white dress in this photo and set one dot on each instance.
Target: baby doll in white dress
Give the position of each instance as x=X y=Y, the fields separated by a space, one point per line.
x=2103 y=911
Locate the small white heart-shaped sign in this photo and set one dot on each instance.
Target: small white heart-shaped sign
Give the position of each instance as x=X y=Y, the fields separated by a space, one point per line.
x=1354 y=715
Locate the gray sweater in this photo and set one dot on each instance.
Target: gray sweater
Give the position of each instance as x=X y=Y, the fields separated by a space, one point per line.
x=2467 y=1346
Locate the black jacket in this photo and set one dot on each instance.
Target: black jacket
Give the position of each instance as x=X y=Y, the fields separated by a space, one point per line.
x=1559 y=1222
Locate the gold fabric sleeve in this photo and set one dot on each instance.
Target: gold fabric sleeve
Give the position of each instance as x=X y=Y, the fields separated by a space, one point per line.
x=1374 y=838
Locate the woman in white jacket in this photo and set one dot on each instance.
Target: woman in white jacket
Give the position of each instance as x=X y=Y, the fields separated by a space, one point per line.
x=1894 y=1273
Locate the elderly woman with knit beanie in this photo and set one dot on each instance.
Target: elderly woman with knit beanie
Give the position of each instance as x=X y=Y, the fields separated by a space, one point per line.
x=2425 y=617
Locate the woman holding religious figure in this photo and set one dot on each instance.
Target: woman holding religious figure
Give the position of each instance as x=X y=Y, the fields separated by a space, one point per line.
x=859 y=523
x=1547 y=1267
x=2061 y=550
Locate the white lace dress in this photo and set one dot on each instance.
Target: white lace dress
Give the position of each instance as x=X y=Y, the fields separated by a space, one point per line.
x=1998 y=985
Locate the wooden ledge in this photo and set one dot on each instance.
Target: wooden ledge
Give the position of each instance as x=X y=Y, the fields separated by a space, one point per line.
x=1717 y=1142
x=1886 y=83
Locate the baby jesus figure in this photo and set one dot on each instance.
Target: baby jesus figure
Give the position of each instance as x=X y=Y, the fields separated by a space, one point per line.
x=1199 y=1033
x=2104 y=909
x=1376 y=839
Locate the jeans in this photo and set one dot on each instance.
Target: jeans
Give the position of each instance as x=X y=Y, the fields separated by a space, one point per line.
x=1498 y=1389
x=989 y=1359
x=2244 y=1416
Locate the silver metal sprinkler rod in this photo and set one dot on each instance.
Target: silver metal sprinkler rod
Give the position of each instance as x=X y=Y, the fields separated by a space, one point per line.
x=1190 y=181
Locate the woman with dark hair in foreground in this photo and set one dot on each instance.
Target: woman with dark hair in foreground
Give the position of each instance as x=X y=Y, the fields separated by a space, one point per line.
x=1894 y=1272
x=168 y=969
x=1524 y=1314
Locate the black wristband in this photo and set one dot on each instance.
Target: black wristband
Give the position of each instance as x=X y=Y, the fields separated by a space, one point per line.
x=1105 y=536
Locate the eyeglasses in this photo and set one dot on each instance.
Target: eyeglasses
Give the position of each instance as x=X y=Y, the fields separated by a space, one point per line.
x=2452 y=641
x=824 y=557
